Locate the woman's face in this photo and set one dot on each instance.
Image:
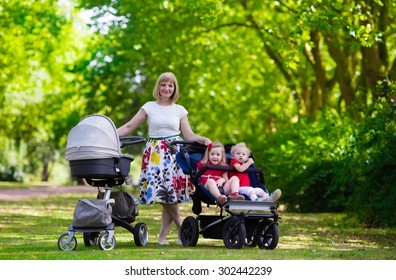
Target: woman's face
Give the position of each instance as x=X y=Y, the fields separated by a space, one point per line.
x=167 y=88
x=215 y=155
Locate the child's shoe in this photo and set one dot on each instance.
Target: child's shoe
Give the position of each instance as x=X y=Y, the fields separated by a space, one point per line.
x=222 y=199
x=236 y=196
x=275 y=195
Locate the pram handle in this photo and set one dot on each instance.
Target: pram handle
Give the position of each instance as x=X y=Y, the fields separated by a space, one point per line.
x=131 y=140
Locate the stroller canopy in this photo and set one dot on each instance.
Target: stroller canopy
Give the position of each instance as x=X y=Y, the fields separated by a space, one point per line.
x=94 y=137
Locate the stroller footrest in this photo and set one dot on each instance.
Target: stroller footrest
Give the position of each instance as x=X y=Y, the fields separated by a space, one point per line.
x=250 y=205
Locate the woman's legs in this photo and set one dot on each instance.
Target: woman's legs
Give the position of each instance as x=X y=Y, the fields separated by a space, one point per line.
x=170 y=212
x=165 y=225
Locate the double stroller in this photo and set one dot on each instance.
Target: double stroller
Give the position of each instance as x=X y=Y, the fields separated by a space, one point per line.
x=239 y=223
x=94 y=154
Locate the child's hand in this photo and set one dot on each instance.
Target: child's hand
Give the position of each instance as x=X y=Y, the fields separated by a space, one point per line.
x=220 y=182
x=251 y=161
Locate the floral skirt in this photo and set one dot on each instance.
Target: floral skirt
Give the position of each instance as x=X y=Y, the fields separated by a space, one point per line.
x=161 y=179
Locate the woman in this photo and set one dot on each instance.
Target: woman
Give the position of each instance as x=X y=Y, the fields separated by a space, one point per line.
x=162 y=180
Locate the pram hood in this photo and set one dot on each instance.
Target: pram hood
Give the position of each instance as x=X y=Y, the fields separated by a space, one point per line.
x=94 y=137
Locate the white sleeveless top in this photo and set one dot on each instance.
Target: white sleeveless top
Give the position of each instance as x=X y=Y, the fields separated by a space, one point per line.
x=163 y=121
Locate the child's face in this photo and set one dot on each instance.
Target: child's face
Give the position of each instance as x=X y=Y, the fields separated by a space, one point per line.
x=241 y=155
x=215 y=155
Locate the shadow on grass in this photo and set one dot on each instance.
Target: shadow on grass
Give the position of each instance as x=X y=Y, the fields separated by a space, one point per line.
x=31 y=228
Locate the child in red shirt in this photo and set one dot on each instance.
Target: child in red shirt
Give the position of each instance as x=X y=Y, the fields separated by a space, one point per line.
x=216 y=181
x=241 y=161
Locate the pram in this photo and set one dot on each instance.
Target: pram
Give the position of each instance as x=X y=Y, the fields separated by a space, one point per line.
x=239 y=223
x=94 y=154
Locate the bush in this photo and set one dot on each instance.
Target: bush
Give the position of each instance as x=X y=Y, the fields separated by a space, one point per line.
x=338 y=163
x=374 y=162
x=10 y=174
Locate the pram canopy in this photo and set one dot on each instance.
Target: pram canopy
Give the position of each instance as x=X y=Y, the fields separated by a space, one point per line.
x=94 y=137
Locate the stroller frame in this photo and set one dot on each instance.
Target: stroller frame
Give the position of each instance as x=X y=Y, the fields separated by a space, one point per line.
x=104 y=172
x=239 y=223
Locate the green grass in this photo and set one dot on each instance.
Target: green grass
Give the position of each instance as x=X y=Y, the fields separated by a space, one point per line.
x=30 y=229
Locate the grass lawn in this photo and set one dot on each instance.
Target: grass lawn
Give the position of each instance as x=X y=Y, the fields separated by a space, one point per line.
x=30 y=229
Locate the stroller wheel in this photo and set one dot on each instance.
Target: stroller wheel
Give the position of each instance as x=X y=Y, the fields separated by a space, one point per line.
x=106 y=244
x=267 y=236
x=64 y=246
x=189 y=232
x=91 y=238
x=140 y=234
x=250 y=241
x=234 y=233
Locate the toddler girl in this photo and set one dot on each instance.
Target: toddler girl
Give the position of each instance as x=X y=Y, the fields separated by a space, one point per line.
x=216 y=181
x=241 y=161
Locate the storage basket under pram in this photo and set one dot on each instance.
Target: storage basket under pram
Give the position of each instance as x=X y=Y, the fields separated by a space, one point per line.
x=239 y=223
x=94 y=154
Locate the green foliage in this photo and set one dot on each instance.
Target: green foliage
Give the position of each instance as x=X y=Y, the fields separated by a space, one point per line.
x=373 y=158
x=39 y=92
x=336 y=163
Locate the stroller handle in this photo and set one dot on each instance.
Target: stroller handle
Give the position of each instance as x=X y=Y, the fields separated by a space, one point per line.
x=131 y=140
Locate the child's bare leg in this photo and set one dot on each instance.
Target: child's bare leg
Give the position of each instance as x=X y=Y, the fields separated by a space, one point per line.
x=232 y=187
x=212 y=187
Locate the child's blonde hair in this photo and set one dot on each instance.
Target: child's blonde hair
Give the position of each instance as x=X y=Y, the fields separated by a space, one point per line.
x=166 y=77
x=239 y=145
x=205 y=158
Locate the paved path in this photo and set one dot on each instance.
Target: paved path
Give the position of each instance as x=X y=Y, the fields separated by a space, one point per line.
x=43 y=192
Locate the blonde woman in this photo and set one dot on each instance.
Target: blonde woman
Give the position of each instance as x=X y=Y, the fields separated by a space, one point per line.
x=162 y=180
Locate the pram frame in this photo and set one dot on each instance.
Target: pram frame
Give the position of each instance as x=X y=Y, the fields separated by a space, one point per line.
x=93 y=235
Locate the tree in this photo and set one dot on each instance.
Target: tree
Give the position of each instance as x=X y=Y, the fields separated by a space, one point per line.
x=40 y=45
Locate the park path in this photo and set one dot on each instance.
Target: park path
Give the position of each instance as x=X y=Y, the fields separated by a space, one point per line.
x=44 y=192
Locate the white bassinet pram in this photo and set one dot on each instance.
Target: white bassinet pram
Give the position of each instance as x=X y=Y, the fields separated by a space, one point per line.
x=94 y=153
x=94 y=150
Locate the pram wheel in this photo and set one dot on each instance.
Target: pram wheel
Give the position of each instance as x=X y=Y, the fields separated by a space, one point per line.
x=234 y=233
x=189 y=232
x=91 y=238
x=267 y=236
x=140 y=234
x=64 y=246
x=106 y=244
x=250 y=241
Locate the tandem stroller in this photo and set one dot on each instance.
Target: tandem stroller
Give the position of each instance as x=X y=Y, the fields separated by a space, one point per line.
x=94 y=154
x=239 y=223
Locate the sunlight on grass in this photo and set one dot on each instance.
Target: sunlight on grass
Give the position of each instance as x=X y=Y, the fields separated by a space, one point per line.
x=31 y=227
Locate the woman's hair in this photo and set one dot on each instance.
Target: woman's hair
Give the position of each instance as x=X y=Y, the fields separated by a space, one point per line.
x=238 y=146
x=205 y=159
x=166 y=77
